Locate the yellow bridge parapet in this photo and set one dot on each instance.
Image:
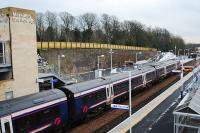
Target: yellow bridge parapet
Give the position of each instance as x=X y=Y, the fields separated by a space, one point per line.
x=77 y=45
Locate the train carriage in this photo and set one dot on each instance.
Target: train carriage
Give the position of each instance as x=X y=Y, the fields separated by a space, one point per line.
x=171 y=65
x=164 y=68
x=94 y=95
x=84 y=97
x=160 y=71
x=39 y=112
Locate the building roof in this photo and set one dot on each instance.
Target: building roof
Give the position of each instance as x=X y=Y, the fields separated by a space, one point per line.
x=190 y=103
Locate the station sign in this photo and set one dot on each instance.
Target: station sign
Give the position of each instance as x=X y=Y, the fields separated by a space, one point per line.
x=119 y=106
x=39 y=80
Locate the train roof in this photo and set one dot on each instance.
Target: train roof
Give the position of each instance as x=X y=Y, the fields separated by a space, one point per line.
x=87 y=85
x=161 y=64
x=84 y=86
x=17 y=104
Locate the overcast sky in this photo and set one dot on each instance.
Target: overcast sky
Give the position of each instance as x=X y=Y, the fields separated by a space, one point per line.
x=180 y=17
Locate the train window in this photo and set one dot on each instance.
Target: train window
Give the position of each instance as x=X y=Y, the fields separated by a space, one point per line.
x=85 y=100
x=100 y=95
x=150 y=76
x=124 y=85
x=7 y=127
x=138 y=81
x=134 y=81
x=117 y=89
x=22 y=124
x=89 y=99
x=31 y=121
x=48 y=114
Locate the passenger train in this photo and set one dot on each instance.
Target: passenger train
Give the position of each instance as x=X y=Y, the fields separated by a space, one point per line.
x=54 y=110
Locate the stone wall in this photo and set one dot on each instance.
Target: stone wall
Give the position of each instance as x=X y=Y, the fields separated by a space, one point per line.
x=83 y=60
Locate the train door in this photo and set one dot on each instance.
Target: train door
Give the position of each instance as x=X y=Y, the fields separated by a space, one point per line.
x=109 y=93
x=6 y=124
x=144 y=79
x=165 y=70
x=112 y=92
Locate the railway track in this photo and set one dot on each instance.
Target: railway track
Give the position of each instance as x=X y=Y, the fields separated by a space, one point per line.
x=107 y=120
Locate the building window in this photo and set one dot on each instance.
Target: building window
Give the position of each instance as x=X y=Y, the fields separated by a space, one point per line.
x=2 y=57
x=9 y=95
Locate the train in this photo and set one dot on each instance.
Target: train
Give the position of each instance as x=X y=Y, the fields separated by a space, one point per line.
x=56 y=109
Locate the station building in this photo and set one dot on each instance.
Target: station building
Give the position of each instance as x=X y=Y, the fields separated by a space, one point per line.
x=18 y=53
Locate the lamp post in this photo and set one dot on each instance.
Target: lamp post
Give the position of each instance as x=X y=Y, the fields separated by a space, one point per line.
x=184 y=51
x=59 y=58
x=175 y=49
x=181 y=80
x=188 y=52
x=137 y=55
x=98 y=60
x=111 y=52
x=130 y=111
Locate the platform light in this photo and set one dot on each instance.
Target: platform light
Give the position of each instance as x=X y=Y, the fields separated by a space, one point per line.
x=136 y=55
x=98 y=60
x=59 y=58
x=111 y=67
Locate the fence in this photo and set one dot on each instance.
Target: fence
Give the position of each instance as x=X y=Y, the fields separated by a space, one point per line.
x=75 y=45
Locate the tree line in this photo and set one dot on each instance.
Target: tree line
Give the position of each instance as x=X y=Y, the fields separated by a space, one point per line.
x=106 y=28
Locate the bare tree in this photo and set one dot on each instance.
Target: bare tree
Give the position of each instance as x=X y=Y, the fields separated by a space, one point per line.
x=52 y=26
x=67 y=24
x=88 y=21
x=86 y=28
x=51 y=19
x=115 y=32
x=40 y=26
x=107 y=27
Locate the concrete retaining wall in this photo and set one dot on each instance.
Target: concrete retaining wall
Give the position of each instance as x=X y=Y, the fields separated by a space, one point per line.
x=83 y=60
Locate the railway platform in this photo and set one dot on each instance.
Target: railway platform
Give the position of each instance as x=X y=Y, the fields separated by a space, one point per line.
x=156 y=116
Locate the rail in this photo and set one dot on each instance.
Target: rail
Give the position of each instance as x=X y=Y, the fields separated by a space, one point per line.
x=78 y=45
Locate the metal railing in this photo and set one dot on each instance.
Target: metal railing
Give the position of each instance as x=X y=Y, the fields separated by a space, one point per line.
x=75 y=45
